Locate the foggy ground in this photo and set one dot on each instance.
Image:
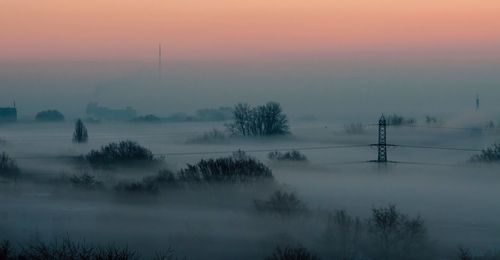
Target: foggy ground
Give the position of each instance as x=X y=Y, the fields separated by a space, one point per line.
x=458 y=201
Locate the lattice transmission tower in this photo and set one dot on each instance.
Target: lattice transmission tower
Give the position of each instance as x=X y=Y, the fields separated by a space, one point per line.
x=382 y=140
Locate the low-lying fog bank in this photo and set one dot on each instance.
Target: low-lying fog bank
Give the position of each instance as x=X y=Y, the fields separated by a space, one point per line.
x=455 y=200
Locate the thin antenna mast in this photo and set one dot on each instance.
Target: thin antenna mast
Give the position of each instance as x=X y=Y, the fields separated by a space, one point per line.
x=159 y=62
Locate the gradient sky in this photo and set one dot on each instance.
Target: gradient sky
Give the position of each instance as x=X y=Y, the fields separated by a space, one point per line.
x=198 y=29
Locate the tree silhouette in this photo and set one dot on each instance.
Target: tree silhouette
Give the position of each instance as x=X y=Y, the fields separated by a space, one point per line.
x=80 y=135
x=264 y=120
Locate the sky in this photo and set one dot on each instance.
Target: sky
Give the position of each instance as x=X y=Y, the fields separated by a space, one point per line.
x=221 y=29
x=331 y=58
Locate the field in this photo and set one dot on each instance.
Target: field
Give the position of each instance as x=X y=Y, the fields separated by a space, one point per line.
x=457 y=200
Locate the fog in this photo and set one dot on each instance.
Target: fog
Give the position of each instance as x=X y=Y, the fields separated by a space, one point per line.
x=333 y=87
x=428 y=175
x=456 y=199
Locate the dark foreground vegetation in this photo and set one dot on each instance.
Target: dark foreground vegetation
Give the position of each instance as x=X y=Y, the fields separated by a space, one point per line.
x=292 y=253
x=68 y=249
x=386 y=234
x=122 y=153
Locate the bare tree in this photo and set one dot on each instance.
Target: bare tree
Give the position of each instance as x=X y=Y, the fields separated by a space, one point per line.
x=265 y=120
x=242 y=116
x=274 y=122
x=80 y=135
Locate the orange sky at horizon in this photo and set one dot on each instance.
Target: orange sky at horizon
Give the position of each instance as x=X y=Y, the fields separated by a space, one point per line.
x=125 y=29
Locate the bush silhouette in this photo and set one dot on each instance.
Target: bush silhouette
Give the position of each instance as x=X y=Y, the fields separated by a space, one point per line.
x=80 y=135
x=281 y=203
x=398 y=120
x=213 y=136
x=354 y=128
x=292 y=253
x=147 y=119
x=65 y=249
x=395 y=235
x=85 y=181
x=489 y=155
x=344 y=235
x=226 y=169
x=164 y=179
x=137 y=187
x=294 y=156
x=49 y=116
x=124 y=152
x=8 y=167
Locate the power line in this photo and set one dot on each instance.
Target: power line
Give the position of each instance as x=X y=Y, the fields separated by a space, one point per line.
x=436 y=148
x=266 y=150
x=218 y=152
x=435 y=127
x=428 y=164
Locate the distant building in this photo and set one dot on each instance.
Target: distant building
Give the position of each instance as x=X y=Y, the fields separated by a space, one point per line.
x=99 y=112
x=8 y=114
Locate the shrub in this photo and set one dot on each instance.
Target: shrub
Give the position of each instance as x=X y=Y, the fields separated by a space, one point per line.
x=292 y=253
x=66 y=249
x=164 y=178
x=80 y=135
x=281 y=203
x=147 y=119
x=464 y=254
x=489 y=155
x=395 y=235
x=386 y=234
x=343 y=235
x=214 y=114
x=124 y=152
x=397 y=120
x=137 y=187
x=294 y=156
x=8 y=167
x=6 y=250
x=213 y=136
x=225 y=170
x=205 y=172
x=354 y=128
x=266 y=120
x=50 y=116
x=85 y=181
x=431 y=120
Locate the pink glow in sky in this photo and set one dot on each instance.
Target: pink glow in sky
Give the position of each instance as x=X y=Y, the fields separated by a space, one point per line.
x=125 y=29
